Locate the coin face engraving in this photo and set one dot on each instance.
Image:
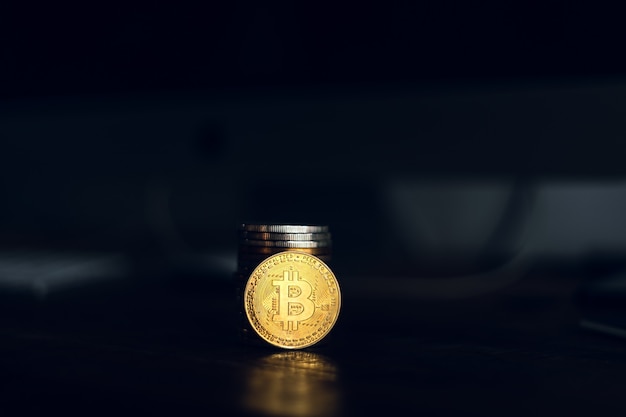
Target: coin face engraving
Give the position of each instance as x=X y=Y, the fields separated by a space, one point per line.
x=292 y=299
x=294 y=304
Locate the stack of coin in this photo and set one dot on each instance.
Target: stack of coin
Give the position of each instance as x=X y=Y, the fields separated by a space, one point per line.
x=285 y=248
x=259 y=241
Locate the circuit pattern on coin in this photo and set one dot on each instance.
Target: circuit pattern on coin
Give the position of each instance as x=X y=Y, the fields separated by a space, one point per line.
x=292 y=300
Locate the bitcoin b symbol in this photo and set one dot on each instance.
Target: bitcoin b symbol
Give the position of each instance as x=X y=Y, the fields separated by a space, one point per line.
x=294 y=304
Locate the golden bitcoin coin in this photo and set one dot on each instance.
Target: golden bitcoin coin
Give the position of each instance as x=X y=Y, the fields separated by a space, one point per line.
x=292 y=300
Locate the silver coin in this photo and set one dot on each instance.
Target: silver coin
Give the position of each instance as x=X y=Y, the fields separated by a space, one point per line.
x=283 y=228
x=287 y=243
x=248 y=253
x=260 y=250
x=285 y=236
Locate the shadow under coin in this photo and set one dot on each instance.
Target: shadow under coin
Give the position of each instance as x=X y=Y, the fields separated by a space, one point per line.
x=292 y=383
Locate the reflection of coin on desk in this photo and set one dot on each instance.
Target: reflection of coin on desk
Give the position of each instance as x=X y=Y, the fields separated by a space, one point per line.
x=292 y=299
x=292 y=383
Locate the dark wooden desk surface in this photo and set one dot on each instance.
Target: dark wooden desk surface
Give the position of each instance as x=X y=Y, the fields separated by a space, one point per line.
x=164 y=348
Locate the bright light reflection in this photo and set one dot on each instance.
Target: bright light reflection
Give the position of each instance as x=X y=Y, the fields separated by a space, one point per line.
x=293 y=383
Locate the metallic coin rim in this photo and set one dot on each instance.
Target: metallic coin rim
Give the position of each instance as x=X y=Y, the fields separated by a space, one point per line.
x=250 y=282
x=246 y=266
x=283 y=228
x=301 y=244
x=247 y=258
x=264 y=250
x=285 y=236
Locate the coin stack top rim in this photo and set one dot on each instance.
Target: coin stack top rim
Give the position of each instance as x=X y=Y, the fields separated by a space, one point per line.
x=283 y=228
x=260 y=240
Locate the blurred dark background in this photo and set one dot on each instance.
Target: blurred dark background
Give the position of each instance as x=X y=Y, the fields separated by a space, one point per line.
x=155 y=128
x=422 y=132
